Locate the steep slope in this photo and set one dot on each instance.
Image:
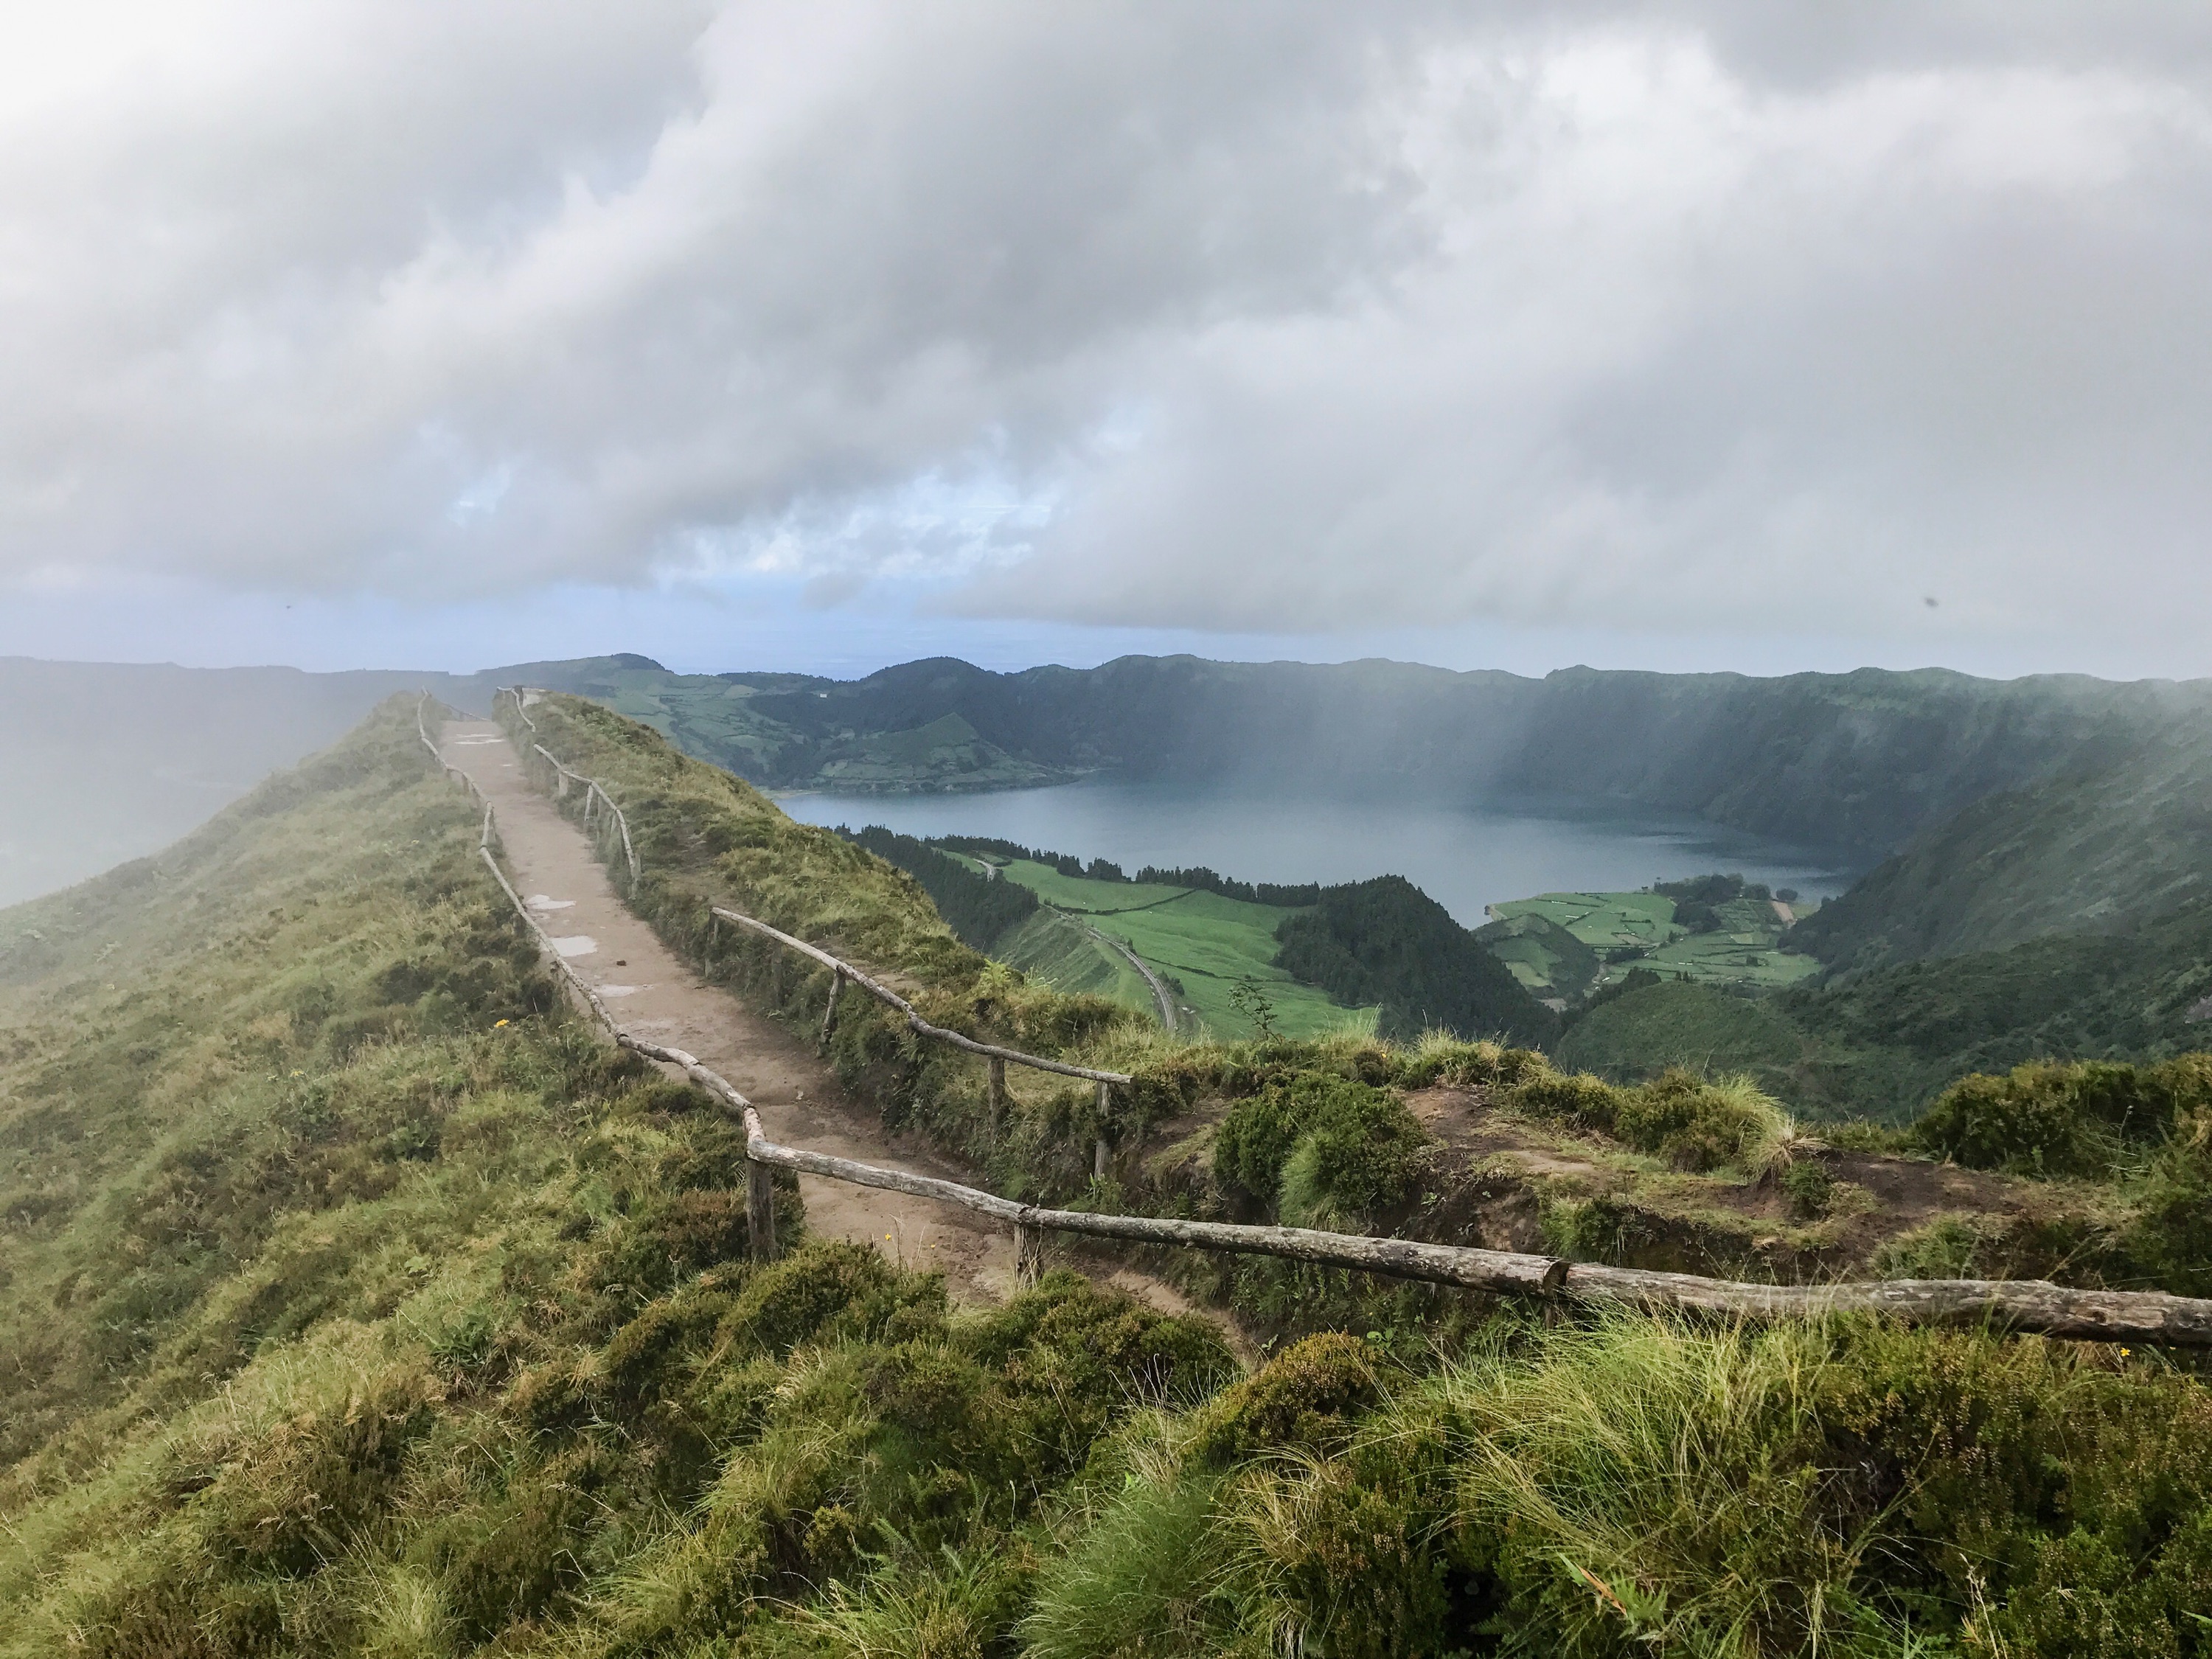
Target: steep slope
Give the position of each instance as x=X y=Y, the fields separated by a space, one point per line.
x=1386 y=942
x=229 y=1071
x=1884 y=1042
x=357 y=1301
x=1864 y=759
x=2122 y=835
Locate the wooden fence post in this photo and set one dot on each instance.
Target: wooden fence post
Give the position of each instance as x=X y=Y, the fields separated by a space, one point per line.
x=760 y=1210
x=1101 y=1153
x=830 y=1014
x=1029 y=1255
x=997 y=1098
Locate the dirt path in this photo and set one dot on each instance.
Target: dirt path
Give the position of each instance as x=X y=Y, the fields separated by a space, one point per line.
x=1160 y=994
x=657 y=995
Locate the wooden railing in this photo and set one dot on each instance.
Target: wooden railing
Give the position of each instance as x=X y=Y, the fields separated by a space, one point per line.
x=2035 y=1306
x=2008 y=1304
x=593 y=790
x=842 y=973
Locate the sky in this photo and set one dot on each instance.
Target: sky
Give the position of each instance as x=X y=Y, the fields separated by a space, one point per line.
x=825 y=335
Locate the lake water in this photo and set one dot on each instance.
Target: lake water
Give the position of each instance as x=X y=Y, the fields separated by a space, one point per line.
x=1464 y=858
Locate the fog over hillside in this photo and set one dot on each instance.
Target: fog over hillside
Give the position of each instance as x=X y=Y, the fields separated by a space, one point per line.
x=106 y=761
x=116 y=760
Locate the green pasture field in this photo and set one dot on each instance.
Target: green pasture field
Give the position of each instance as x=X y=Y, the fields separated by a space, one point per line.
x=1642 y=929
x=1740 y=958
x=1200 y=940
x=1060 y=950
x=1608 y=921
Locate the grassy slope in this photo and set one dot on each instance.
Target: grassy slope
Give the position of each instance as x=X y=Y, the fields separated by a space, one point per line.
x=1207 y=942
x=1642 y=1033
x=1882 y=1044
x=1059 y=951
x=453 y=1352
x=2109 y=843
x=1744 y=951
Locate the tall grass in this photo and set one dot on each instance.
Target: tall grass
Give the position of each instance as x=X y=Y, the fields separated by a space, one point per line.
x=358 y=1302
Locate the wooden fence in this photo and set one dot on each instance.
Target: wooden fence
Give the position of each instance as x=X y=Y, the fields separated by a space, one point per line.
x=593 y=790
x=2024 y=1305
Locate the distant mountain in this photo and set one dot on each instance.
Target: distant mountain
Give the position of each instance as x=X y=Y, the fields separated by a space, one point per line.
x=2120 y=834
x=2013 y=808
x=1863 y=760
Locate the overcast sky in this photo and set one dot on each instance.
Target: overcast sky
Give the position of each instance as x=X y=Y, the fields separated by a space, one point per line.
x=822 y=335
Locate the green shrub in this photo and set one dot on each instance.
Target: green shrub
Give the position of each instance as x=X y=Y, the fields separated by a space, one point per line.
x=641 y=1362
x=513 y=1559
x=1810 y=1187
x=1309 y=1396
x=1145 y=1576
x=1698 y=1124
x=782 y=1305
x=288 y=1503
x=2170 y=1234
x=1947 y=1247
x=1362 y=1147
x=1576 y=1099
x=2050 y=1119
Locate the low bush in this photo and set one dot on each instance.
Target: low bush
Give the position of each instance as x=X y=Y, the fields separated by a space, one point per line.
x=1320 y=1146
x=1694 y=1123
x=1309 y=1396
x=2050 y=1119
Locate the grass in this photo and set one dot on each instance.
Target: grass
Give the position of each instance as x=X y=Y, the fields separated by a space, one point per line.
x=1638 y=1486
x=1639 y=930
x=1642 y=1033
x=1207 y=943
x=357 y=1301
x=1060 y=950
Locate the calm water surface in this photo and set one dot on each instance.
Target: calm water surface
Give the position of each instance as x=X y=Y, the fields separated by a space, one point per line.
x=1463 y=857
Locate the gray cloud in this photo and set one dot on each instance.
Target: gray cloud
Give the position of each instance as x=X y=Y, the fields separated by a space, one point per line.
x=1272 y=317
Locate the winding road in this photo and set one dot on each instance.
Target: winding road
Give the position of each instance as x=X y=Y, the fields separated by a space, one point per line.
x=1160 y=992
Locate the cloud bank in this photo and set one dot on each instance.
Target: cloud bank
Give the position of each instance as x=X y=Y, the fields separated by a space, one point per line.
x=1285 y=318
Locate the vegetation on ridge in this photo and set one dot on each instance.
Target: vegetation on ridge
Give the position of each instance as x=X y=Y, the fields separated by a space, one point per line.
x=433 y=1336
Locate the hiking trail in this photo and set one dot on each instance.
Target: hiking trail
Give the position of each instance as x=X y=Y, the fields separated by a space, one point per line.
x=658 y=996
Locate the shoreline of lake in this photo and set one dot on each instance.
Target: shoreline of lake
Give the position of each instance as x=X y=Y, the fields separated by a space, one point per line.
x=1466 y=857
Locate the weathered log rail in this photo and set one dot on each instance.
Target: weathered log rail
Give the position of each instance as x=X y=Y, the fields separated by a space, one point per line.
x=999 y=1059
x=2030 y=1305
x=593 y=789
x=842 y=973
x=2027 y=1306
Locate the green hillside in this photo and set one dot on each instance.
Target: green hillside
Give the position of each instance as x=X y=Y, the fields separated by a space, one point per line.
x=1655 y=1024
x=1388 y=942
x=358 y=1301
x=2124 y=836
x=1883 y=1043
x=1738 y=941
x=1864 y=760
x=1205 y=945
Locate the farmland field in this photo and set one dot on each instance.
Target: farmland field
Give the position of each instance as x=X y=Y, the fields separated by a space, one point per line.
x=1638 y=930
x=1200 y=941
